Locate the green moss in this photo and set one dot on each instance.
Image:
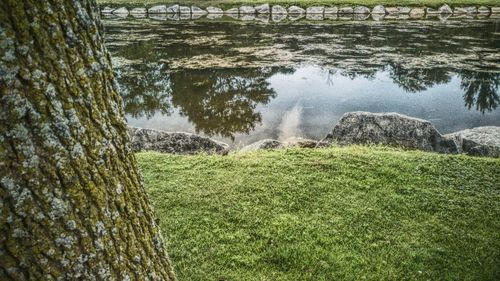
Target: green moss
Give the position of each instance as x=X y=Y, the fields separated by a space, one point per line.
x=328 y=214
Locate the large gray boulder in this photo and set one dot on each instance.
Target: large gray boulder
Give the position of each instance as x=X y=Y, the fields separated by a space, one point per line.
x=479 y=141
x=389 y=129
x=139 y=11
x=263 y=144
x=170 y=142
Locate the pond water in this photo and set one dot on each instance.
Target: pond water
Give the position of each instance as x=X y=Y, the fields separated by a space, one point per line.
x=241 y=82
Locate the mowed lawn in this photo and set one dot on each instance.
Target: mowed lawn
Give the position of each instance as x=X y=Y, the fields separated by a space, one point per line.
x=355 y=213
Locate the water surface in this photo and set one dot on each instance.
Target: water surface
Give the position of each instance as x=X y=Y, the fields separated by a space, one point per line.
x=242 y=82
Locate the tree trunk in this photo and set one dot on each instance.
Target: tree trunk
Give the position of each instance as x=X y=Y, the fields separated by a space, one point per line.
x=72 y=201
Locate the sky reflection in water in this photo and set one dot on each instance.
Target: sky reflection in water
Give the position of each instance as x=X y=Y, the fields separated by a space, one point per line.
x=245 y=82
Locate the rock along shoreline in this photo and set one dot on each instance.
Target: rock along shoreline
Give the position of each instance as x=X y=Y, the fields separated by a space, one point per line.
x=277 y=13
x=365 y=128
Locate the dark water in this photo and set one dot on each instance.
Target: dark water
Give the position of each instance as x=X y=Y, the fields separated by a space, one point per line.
x=242 y=82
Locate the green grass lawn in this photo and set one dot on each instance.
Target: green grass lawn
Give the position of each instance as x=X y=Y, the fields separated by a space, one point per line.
x=354 y=213
x=232 y=3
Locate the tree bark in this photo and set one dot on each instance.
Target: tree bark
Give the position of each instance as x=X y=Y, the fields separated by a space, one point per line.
x=72 y=201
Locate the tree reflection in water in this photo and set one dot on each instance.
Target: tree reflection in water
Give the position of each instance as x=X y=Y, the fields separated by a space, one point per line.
x=222 y=101
x=145 y=89
x=216 y=73
x=480 y=89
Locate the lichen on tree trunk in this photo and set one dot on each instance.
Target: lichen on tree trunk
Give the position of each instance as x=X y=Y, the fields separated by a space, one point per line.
x=72 y=201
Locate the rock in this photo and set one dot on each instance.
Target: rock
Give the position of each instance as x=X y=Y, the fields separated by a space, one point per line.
x=315 y=10
x=315 y=17
x=247 y=17
x=214 y=10
x=262 y=18
x=158 y=16
x=379 y=9
x=483 y=10
x=479 y=141
x=232 y=11
x=459 y=11
x=404 y=10
x=160 y=9
x=233 y=16
x=138 y=11
x=361 y=16
x=263 y=144
x=495 y=10
x=331 y=16
x=431 y=11
x=214 y=16
x=417 y=12
x=300 y=142
x=263 y=9
x=471 y=10
x=107 y=10
x=196 y=16
x=295 y=17
x=278 y=17
x=444 y=17
x=361 y=10
x=331 y=11
x=445 y=9
x=247 y=10
x=392 y=10
x=173 y=9
x=389 y=129
x=278 y=10
x=346 y=10
x=198 y=11
x=174 y=17
x=378 y=17
x=185 y=16
x=346 y=16
x=120 y=11
x=177 y=143
x=184 y=10
x=296 y=10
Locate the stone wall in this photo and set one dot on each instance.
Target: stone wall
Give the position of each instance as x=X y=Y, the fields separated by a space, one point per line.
x=278 y=13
